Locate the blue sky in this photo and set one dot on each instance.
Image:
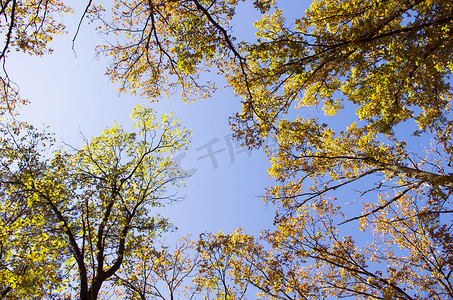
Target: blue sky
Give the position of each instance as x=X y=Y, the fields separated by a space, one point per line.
x=70 y=94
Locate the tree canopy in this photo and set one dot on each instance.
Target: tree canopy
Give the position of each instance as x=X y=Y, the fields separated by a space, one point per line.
x=88 y=209
x=380 y=72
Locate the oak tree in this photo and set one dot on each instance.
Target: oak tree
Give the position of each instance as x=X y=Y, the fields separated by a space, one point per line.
x=96 y=202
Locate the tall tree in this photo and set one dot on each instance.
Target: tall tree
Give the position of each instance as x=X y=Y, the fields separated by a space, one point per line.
x=97 y=201
x=390 y=60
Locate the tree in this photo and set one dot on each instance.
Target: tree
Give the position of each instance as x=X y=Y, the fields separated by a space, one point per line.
x=307 y=257
x=156 y=272
x=29 y=252
x=391 y=73
x=95 y=202
x=219 y=275
x=29 y=255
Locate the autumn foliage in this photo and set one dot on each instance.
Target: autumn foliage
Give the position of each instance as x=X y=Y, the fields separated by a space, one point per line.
x=346 y=93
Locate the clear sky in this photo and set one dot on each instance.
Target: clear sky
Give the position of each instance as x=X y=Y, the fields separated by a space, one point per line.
x=70 y=93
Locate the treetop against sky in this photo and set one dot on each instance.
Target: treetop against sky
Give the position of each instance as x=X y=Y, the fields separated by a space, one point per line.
x=345 y=105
